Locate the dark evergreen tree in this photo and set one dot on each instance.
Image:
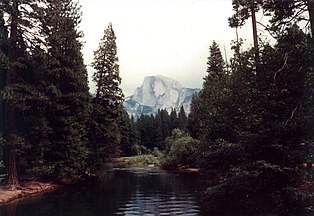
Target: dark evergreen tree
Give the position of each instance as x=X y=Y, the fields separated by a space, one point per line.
x=283 y=13
x=215 y=63
x=268 y=114
x=147 y=131
x=66 y=90
x=173 y=120
x=128 y=135
x=4 y=42
x=194 y=124
x=104 y=130
x=165 y=124
x=159 y=136
x=134 y=130
x=207 y=107
x=20 y=23
x=182 y=120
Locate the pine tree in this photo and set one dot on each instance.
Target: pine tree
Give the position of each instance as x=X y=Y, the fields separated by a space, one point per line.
x=194 y=124
x=149 y=131
x=67 y=91
x=128 y=135
x=165 y=124
x=3 y=62
x=158 y=132
x=173 y=120
x=215 y=63
x=182 y=120
x=36 y=128
x=282 y=14
x=106 y=114
x=107 y=76
x=209 y=103
x=268 y=115
x=19 y=24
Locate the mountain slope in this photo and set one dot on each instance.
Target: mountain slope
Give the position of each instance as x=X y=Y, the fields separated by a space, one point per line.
x=159 y=92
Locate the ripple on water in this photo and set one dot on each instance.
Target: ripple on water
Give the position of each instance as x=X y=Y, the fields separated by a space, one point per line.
x=125 y=191
x=141 y=204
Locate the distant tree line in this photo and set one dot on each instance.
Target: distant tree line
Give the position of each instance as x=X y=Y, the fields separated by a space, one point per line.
x=149 y=132
x=51 y=126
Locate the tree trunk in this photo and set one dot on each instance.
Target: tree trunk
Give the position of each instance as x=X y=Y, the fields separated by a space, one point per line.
x=255 y=33
x=9 y=118
x=11 y=166
x=310 y=5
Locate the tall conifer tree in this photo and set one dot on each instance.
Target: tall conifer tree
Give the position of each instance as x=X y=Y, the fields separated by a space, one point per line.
x=4 y=42
x=104 y=130
x=22 y=27
x=67 y=90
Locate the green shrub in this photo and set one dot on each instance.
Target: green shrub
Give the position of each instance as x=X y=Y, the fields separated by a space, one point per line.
x=141 y=160
x=181 y=148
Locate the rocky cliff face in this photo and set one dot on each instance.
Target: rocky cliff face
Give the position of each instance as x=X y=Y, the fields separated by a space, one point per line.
x=159 y=92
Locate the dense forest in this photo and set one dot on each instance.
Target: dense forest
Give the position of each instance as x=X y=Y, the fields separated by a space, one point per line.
x=250 y=129
x=51 y=125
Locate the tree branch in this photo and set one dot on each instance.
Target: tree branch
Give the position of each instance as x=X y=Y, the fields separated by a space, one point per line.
x=292 y=114
x=283 y=66
x=267 y=29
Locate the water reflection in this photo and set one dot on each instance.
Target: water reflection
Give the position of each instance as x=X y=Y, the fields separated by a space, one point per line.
x=126 y=191
x=159 y=193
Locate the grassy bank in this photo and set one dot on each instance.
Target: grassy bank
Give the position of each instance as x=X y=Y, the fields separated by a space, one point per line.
x=140 y=160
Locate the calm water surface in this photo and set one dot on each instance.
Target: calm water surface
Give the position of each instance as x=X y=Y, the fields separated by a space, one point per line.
x=126 y=191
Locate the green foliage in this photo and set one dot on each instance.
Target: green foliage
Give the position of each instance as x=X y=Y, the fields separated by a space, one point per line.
x=139 y=149
x=148 y=131
x=282 y=14
x=107 y=77
x=153 y=130
x=141 y=160
x=181 y=148
x=51 y=95
x=182 y=120
x=208 y=108
x=67 y=91
x=255 y=128
x=108 y=122
x=128 y=136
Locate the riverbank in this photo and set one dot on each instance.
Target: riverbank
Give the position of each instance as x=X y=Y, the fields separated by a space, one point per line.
x=25 y=190
x=139 y=160
x=153 y=161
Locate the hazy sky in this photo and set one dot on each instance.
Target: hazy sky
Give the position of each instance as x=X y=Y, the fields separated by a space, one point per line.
x=166 y=37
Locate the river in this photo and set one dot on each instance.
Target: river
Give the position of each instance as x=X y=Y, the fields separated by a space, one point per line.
x=125 y=191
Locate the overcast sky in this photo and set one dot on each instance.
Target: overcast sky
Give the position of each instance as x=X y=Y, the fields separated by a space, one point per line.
x=166 y=37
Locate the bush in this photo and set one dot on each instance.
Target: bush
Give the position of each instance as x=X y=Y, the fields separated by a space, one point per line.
x=141 y=160
x=181 y=149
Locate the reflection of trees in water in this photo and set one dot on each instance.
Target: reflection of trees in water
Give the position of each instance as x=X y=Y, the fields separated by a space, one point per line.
x=154 y=191
x=141 y=190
